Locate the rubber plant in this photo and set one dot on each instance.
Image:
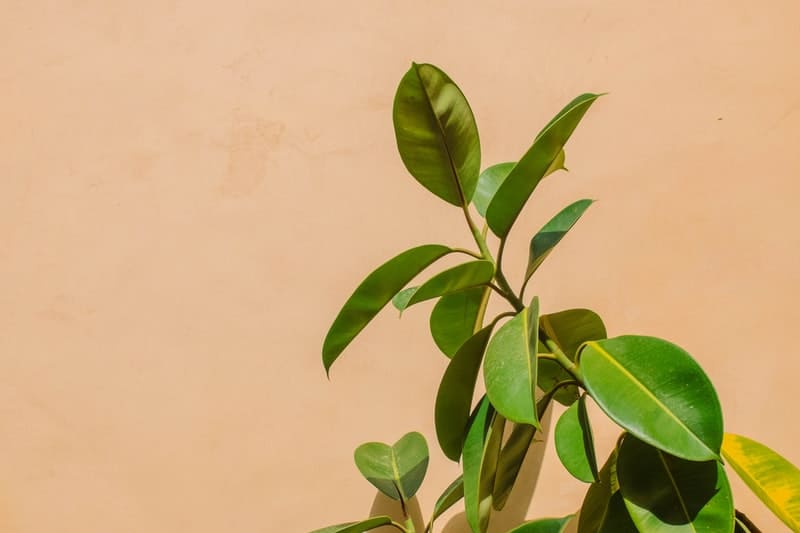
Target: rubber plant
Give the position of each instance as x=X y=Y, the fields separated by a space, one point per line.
x=666 y=472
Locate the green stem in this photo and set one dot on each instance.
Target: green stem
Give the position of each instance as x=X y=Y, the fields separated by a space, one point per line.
x=562 y=358
x=476 y=255
x=401 y=528
x=480 y=239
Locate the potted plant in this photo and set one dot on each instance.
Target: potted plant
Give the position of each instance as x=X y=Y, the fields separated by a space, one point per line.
x=669 y=468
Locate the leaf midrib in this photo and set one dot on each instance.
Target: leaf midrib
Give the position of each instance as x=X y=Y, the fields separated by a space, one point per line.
x=677 y=490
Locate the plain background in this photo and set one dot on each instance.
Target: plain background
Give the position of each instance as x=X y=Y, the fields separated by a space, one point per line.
x=190 y=191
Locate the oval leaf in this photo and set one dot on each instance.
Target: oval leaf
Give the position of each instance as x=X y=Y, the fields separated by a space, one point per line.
x=436 y=134
x=544 y=525
x=460 y=277
x=373 y=294
x=772 y=478
x=664 y=493
x=515 y=190
x=454 y=399
x=603 y=510
x=509 y=368
x=357 y=527
x=481 y=450
x=400 y=300
x=398 y=470
x=657 y=392
x=575 y=444
x=551 y=234
x=456 y=317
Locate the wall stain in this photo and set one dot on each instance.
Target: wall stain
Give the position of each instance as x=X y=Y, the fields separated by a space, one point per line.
x=252 y=140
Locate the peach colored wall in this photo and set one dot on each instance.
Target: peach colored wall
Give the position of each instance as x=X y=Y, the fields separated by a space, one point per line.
x=190 y=190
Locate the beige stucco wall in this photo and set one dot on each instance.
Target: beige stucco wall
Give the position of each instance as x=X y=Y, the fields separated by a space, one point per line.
x=190 y=190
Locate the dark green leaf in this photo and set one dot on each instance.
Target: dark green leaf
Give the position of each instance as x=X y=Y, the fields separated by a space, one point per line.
x=398 y=470
x=373 y=294
x=515 y=190
x=657 y=392
x=551 y=234
x=456 y=317
x=457 y=278
x=357 y=527
x=544 y=525
x=454 y=399
x=575 y=444
x=436 y=134
x=603 y=509
x=509 y=368
x=448 y=498
x=664 y=493
x=481 y=450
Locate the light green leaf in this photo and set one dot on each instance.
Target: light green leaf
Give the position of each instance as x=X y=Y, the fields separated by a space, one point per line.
x=373 y=294
x=771 y=477
x=356 y=527
x=544 y=525
x=436 y=134
x=456 y=317
x=481 y=450
x=400 y=300
x=515 y=190
x=664 y=493
x=575 y=444
x=509 y=369
x=451 y=495
x=457 y=278
x=657 y=392
x=454 y=399
x=551 y=234
x=603 y=509
x=398 y=470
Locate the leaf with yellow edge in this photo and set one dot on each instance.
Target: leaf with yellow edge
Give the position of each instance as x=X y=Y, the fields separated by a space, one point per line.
x=772 y=478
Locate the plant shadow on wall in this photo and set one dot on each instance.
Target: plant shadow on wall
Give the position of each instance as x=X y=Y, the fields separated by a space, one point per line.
x=666 y=472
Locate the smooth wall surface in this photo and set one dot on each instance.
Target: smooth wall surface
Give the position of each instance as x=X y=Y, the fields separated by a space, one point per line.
x=190 y=190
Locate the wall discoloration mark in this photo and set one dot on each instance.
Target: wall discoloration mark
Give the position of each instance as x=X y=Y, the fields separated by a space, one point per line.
x=252 y=140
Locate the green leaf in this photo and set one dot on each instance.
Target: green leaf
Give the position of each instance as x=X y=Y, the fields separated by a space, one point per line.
x=451 y=495
x=551 y=234
x=456 y=316
x=568 y=329
x=575 y=444
x=544 y=525
x=657 y=392
x=603 y=509
x=512 y=455
x=515 y=190
x=457 y=278
x=373 y=294
x=436 y=134
x=664 y=493
x=509 y=369
x=357 y=527
x=398 y=470
x=481 y=450
x=454 y=399
x=771 y=477
x=400 y=300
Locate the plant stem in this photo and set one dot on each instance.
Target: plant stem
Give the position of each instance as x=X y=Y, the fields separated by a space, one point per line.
x=400 y=527
x=562 y=358
x=409 y=526
x=479 y=237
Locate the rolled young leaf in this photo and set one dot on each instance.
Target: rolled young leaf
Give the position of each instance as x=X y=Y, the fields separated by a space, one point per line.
x=373 y=294
x=457 y=278
x=551 y=234
x=509 y=368
x=454 y=399
x=657 y=392
x=357 y=527
x=451 y=495
x=667 y=494
x=436 y=134
x=456 y=317
x=515 y=190
x=397 y=470
x=575 y=444
x=544 y=525
x=771 y=477
x=481 y=449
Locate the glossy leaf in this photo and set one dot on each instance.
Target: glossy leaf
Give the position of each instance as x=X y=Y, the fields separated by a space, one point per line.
x=357 y=527
x=456 y=317
x=544 y=525
x=551 y=234
x=373 y=294
x=397 y=470
x=771 y=477
x=657 y=392
x=568 y=329
x=664 y=493
x=509 y=368
x=603 y=509
x=451 y=495
x=436 y=134
x=492 y=177
x=515 y=190
x=575 y=444
x=454 y=399
x=457 y=278
x=481 y=450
